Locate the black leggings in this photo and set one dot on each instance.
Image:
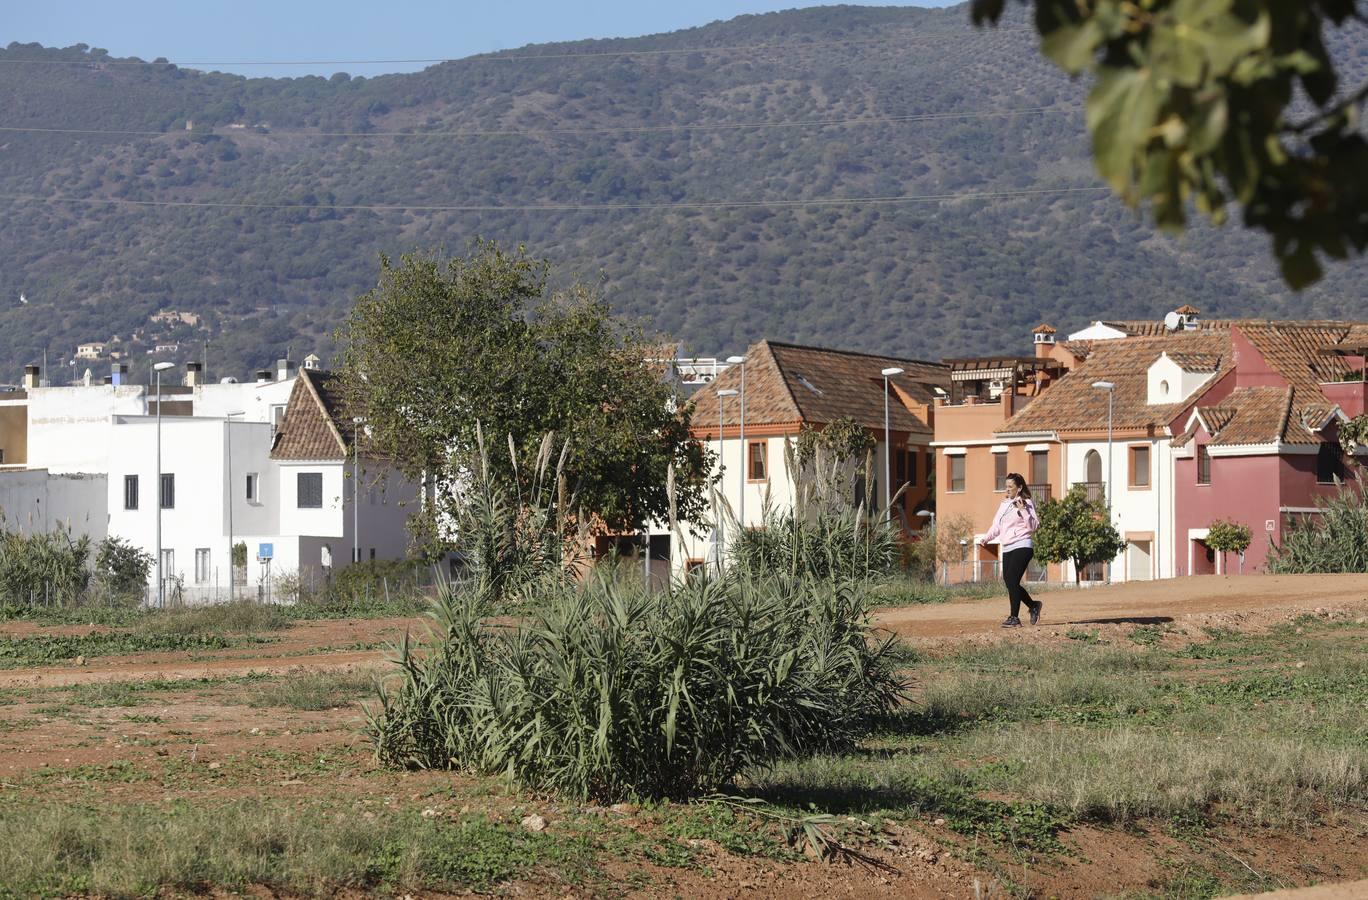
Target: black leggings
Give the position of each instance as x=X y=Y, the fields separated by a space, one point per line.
x=1014 y=564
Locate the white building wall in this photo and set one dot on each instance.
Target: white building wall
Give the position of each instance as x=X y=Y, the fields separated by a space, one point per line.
x=1134 y=510
x=70 y=429
x=34 y=500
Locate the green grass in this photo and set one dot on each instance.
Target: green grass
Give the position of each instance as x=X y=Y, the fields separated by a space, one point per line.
x=309 y=849
x=315 y=690
x=241 y=617
x=47 y=649
x=903 y=591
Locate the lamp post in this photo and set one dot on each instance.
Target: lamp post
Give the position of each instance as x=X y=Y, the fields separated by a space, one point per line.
x=888 y=446
x=356 y=489
x=228 y=426
x=1110 y=388
x=718 y=529
x=741 y=361
x=158 y=369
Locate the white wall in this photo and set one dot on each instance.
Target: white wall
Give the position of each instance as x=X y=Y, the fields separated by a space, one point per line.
x=70 y=428
x=1134 y=510
x=253 y=400
x=34 y=500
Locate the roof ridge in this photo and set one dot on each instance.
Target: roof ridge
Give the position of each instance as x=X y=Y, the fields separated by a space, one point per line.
x=783 y=381
x=796 y=346
x=1286 y=413
x=309 y=375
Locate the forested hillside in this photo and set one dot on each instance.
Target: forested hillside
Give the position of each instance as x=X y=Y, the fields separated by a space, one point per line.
x=276 y=250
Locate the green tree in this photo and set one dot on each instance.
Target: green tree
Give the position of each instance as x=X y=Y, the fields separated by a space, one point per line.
x=122 y=567
x=1353 y=435
x=1077 y=529
x=1225 y=537
x=442 y=347
x=1193 y=101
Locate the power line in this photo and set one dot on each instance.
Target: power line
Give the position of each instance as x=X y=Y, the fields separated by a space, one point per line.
x=492 y=57
x=559 y=207
x=551 y=132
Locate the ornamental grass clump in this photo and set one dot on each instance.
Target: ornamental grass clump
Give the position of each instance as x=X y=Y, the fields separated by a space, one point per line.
x=607 y=691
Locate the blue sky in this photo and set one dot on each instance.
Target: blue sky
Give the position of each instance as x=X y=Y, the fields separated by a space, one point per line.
x=351 y=29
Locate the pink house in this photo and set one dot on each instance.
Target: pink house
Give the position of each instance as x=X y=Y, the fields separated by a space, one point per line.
x=1261 y=446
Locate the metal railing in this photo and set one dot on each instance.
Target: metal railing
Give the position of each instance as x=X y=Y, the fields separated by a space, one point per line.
x=1040 y=492
x=1096 y=490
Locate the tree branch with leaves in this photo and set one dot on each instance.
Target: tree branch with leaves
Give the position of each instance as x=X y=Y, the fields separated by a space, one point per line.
x=1193 y=103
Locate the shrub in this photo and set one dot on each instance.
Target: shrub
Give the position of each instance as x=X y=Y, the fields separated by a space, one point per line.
x=1077 y=529
x=1335 y=540
x=122 y=568
x=607 y=691
x=50 y=566
x=1228 y=537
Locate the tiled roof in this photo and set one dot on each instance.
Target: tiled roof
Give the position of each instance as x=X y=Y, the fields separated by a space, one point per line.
x=1196 y=362
x=788 y=384
x=1044 y=328
x=1264 y=415
x=1080 y=349
x=1073 y=404
x=1187 y=309
x=312 y=427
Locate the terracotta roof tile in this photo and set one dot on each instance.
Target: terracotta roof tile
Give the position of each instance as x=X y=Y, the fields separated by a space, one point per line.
x=1253 y=415
x=313 y=426
x=788 y=384
x=1073 y=404
x=1196 y=362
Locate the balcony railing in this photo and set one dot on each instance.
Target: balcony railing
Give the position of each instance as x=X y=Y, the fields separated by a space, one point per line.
x=1097 y=491
x=1040 y=492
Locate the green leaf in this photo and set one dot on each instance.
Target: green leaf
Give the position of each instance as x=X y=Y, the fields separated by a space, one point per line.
x=1072 y=46
x=1122 y=109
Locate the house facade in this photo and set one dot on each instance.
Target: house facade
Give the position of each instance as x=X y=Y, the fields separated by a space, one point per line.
x=788 y=387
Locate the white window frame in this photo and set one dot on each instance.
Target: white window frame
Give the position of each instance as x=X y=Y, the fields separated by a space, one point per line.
x=202 y=565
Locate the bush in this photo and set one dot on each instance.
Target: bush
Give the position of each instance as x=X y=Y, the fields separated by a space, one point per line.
x=48 y=566
x=122 y=568
x=607 y=691
x=1336 y=540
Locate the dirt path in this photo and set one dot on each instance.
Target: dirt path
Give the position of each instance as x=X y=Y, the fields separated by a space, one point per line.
x=1196 y=601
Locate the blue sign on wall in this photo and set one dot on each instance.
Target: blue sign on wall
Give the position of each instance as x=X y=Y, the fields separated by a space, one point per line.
x=265 y=551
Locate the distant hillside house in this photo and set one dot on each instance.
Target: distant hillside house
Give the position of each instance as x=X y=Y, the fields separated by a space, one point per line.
x=176 y=317
x=92 y=350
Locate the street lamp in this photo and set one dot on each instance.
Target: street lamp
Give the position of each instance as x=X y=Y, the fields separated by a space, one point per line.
x=158 y=369
x=1110 y=388
x=718 y=531
x=741 y=361
x=356 y=488
x=228 y=426
x=888 y=447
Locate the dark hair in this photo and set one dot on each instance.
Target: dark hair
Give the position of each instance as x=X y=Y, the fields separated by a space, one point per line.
x=1021 y=483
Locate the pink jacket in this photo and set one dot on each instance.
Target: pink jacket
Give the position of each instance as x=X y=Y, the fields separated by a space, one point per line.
x=1012 y=525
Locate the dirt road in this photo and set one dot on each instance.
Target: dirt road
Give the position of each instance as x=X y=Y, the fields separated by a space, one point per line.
x=1194 y=601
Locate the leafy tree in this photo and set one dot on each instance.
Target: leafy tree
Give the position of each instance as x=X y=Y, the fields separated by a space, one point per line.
x=1077 y=529
x=1193 y=100
x=122 y=567
x=1228 y=537
x=1353 y=435
x=443 y=347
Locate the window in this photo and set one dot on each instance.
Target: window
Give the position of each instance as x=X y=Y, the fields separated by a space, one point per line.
x=930 y=468
x=130 y=492
x=1092 y=465
x=277 y=416
x=899 y=466
x=1203 y=464
x=253 y=487
x=168 y=491
x=1039 y=467
x=1329 y=463
x=757 y=468
x=372 y=551
x=1140 y=466
x=168 y=564
x=1000 y=472
x=310 y=490
x=956 y=474
x=202 y=565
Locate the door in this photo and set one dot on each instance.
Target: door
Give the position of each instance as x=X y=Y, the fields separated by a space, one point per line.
x=1138 y=562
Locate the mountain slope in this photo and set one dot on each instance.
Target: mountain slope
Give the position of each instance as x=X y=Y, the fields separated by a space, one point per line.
x=922 y=279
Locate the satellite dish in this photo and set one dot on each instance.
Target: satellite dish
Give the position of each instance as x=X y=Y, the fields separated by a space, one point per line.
x=228 y=380
x=1173 y=321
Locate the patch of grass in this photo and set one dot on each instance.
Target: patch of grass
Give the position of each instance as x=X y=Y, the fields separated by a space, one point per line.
x=904 y=591
x=311 y=850
x=1086 y=637
x=1146 y=635
x=46 y=649
x=731 y=830
x=314 y=690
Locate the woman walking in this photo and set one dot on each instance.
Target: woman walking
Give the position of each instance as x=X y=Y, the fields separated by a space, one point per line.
x=1013 y=525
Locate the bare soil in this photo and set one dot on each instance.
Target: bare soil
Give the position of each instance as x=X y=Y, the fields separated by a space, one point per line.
x=207 y=741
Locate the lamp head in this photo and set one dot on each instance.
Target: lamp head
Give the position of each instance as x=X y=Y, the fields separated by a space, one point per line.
x=736 y=360
x=163 y=366
x=729 y=392
x=890 y=372
x=1104 y=385
x=236 y=412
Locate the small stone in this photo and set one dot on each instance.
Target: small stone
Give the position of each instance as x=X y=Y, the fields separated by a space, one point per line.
x=623 y=809
x=216 y=765
x=255 y=731
x=534 y=823
x=430 y=813
x=80 y=660
x=938 y=822
x=1301 y=665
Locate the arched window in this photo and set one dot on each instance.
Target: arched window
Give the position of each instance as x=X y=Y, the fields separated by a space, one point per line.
x=1093 y=463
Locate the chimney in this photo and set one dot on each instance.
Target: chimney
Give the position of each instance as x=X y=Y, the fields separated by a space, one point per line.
x=118 y=374
x=31 y=376
x=1044 y=338
x=194 y=374
x=263 y=376
x=1188 y=314
x=285 y=369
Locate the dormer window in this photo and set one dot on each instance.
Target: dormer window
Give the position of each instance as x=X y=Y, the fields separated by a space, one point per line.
x=1164 y=388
